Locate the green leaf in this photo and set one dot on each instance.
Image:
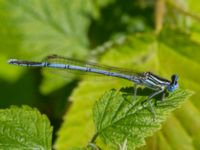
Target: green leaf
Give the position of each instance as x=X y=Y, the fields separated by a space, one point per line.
x=35 y=29
x=24 y=128
x=118 y=116
x=39 y=22
x=182 y=43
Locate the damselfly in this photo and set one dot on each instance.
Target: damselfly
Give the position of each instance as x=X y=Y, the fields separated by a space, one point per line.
x=146 y=79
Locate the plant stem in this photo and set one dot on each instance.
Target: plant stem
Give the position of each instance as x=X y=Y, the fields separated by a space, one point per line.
x=182 y=10
x=94 y=137
x=159 y=15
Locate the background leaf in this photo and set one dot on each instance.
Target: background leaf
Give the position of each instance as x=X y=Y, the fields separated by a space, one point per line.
x=29 y=29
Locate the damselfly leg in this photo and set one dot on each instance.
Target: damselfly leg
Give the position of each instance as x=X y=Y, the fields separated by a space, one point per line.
x=149 y=101
x=162 y=98
x=135 y=91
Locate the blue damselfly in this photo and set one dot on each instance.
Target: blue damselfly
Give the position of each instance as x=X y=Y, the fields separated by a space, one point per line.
x=146 y=79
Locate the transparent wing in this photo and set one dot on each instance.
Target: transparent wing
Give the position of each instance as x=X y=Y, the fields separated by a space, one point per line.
x=64 y=60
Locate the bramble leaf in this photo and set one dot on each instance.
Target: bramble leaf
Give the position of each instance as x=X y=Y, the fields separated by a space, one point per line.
x=119 y=116
x=24 y=128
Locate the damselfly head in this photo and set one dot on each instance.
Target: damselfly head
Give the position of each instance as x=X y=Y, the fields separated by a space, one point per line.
x=174 y=83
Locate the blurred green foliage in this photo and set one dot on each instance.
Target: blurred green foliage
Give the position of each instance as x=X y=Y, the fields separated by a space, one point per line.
x=114 y=32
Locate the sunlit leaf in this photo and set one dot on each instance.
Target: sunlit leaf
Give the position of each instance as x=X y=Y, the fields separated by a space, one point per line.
x=35 y=29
